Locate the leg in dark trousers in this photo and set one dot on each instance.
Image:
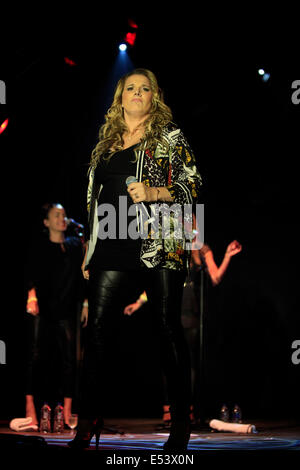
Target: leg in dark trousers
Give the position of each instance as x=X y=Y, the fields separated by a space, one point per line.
x=164 y=292
x=109 y=292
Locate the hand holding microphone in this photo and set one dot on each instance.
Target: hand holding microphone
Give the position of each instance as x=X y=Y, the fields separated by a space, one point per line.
x=139 y=192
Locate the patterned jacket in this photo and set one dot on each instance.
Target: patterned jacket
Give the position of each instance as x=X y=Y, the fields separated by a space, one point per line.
x=175 y=170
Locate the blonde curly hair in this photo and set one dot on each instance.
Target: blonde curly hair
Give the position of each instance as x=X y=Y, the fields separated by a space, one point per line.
x=111 y=132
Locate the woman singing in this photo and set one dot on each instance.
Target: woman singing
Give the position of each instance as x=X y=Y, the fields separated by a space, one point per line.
x=138 y=139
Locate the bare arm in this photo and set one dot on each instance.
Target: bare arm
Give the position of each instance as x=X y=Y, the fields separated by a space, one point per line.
x=85 y=272
x=217 y=273
x=196 y=258
x=136 y=305
x=32 y=302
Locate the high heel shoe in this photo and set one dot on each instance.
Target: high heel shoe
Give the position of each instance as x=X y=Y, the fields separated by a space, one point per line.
x=86 y=430
x=179 y=437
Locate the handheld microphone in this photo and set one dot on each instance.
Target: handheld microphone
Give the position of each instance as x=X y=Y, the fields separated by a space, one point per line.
x=130 y=179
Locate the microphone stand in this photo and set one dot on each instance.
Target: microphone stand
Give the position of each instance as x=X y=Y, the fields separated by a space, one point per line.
x=201 y=339
x=199 y=284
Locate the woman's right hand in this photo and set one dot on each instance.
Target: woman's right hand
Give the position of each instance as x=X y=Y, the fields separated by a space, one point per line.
x=233 y=248
x=85 y=272
x=130 y=309
x=32 y=306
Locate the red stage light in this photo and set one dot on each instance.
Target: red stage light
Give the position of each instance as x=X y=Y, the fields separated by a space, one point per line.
x=132 y=24
x=3 y=125
x=69 y=61
x=130 y=38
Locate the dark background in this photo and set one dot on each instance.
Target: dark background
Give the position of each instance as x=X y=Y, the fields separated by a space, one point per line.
x=245 y=135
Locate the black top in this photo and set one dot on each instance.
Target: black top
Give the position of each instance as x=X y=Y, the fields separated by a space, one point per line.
x=54 y=269
x=118 y=251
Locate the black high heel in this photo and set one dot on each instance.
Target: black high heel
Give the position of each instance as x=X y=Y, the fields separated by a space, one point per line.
x=179 y=437
x=86 y=430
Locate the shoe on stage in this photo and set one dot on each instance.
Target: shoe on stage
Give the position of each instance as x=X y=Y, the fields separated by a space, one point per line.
x=87 y=428
x=179 y=437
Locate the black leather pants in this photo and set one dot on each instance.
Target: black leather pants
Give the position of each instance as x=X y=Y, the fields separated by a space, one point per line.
x=108 y=295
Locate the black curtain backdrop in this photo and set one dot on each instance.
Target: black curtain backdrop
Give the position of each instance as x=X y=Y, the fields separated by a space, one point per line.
x=244 y=133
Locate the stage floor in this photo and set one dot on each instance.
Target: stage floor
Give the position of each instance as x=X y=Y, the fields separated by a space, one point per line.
x=136 y=437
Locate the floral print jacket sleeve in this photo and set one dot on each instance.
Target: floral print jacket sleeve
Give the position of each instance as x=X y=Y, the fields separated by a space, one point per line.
x=177 y=171
x=184 y=179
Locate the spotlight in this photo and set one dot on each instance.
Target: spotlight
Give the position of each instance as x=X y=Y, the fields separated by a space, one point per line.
x=130 y=37
x=264 y=75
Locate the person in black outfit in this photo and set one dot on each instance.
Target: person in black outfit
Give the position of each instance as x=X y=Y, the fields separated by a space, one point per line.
x=55 y=292
x=126 y=254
